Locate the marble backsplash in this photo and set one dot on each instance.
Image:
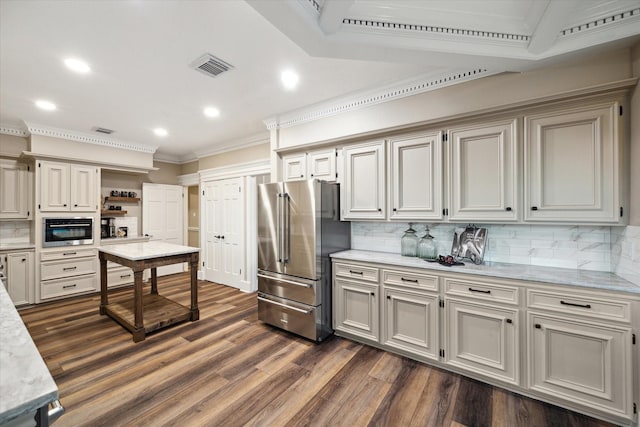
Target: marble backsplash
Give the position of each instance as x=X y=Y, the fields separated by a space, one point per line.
x=15 y=232
x=597 y=248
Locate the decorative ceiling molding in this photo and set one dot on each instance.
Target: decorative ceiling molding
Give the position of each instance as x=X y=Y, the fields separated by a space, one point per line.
x=390 y=93
x=7 y=130
x=602 y=22
x=258 y=167
x=236 y=144
x=36 y=129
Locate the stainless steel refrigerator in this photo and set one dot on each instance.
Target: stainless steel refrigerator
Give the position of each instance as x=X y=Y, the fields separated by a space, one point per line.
x=298 y=227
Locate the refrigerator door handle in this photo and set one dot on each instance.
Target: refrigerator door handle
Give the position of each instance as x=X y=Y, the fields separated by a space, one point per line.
x=287 y=228
x=291 y=282
x=279 y=227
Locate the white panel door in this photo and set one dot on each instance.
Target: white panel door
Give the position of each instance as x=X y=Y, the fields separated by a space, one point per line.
x=224 y=225
x=364 y=195
x=581 y=362
x=162 y=217
x=14 y=190
x=54 y=186
x=572 y=166
x=483 y=179
x=415 y=172
x=355 y=309
x=84 y=191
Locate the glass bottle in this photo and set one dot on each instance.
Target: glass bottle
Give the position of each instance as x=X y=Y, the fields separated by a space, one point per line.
x=409 y=242
x=427 y=248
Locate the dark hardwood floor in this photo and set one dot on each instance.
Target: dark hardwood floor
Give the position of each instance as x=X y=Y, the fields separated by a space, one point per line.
x=229 y=369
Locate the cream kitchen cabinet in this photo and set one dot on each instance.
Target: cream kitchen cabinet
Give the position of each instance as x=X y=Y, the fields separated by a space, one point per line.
x=572 y=161
x=355 y=301
x=20 y=280
x=483 y=172
x=364 y=191
x=319 y=164
x=415 y=177
x=15 y=190
x=410 y=318
x=68 y=272
x=67 y=187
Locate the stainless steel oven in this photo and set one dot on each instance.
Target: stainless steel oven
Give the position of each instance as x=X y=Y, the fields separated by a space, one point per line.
x=67 y=231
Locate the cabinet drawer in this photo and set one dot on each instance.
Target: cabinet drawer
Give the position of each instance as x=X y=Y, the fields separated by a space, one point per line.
x=582 y=305
x=67 y=268
x=412 y=280
x=68 y=286
x=352 y=271
x=71 y=252
x=481 y=291
x=119 y=276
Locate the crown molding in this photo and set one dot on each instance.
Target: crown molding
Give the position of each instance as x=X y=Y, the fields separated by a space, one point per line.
x=360 y=100
x=236 y=144
x=13 y=131
x=258 y=167
x=42 y=130
x=189 y=179
x=164 y=158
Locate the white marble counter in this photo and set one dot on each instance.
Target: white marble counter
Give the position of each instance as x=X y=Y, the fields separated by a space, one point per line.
x=25 y=381
x=120 y=240
x=549 y=275
x=16 y=246
x=144 y=250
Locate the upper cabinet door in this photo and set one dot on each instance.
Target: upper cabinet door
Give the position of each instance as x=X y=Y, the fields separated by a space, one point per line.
x=83 y=188
x=322 y=165
x=294 y=167
x=54 y=186
x=415 y=176
x=572 y=165
x=364 y=195
x=483 y=179
x=14 y=190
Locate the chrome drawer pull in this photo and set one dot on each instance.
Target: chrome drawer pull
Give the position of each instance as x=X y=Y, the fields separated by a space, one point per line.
x=409 y=280
x=304 y=285
x=69 y=286
x=482 y=291
x=284 y=305
x=575 y=305
x=356 y=272
x=69 y=268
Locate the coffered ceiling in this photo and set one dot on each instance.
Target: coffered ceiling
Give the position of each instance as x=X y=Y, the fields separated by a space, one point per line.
x=140 y=54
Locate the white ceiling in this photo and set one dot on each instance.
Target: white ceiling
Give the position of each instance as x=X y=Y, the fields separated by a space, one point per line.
x=140 y=52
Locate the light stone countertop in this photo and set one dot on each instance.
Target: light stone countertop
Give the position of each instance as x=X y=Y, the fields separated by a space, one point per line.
x=549 y=275
x=137 y=251
x=25 y=381
x=16 y=246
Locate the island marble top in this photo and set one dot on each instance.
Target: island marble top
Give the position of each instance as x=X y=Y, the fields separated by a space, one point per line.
x=137 y=251
x=25 y=381
x=549 y=275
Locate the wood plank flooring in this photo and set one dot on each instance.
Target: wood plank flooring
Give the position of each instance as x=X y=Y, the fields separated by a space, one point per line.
x=229 y=369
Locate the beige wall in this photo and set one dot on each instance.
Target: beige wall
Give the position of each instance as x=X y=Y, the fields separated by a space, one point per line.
x=12 y=146
x=191 y=167
x=242 y=155
x=167 y=173
x=635 y=142
x=464 y=98
x=90 y=153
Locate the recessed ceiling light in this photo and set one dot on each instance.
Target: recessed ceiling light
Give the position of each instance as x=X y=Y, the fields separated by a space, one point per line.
x=289 y=79
x=77 y=65
x=45 y=105
x=211 y=112
x=160 y=132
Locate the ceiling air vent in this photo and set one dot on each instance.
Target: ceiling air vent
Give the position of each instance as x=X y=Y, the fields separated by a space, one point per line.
x=210 y=65
x=103 y=130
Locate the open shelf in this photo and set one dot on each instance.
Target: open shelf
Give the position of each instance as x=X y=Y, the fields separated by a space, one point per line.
x=112 y=212
x=121 y=199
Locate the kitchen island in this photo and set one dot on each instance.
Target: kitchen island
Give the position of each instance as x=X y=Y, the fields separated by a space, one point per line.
x=26 y=386
x=159 y=311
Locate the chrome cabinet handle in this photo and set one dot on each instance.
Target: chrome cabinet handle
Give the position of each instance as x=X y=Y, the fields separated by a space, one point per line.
x=284 y=305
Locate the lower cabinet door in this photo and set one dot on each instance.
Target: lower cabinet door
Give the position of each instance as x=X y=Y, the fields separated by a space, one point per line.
x=410 y=322
x=355 y=308
x=483 y=339
x=585 y=363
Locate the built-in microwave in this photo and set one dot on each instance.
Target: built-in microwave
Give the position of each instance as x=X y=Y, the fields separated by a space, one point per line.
x=67 y=231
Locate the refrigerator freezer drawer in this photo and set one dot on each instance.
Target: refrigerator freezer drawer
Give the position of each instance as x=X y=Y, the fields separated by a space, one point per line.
x=300 y=290
x=300 y=319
